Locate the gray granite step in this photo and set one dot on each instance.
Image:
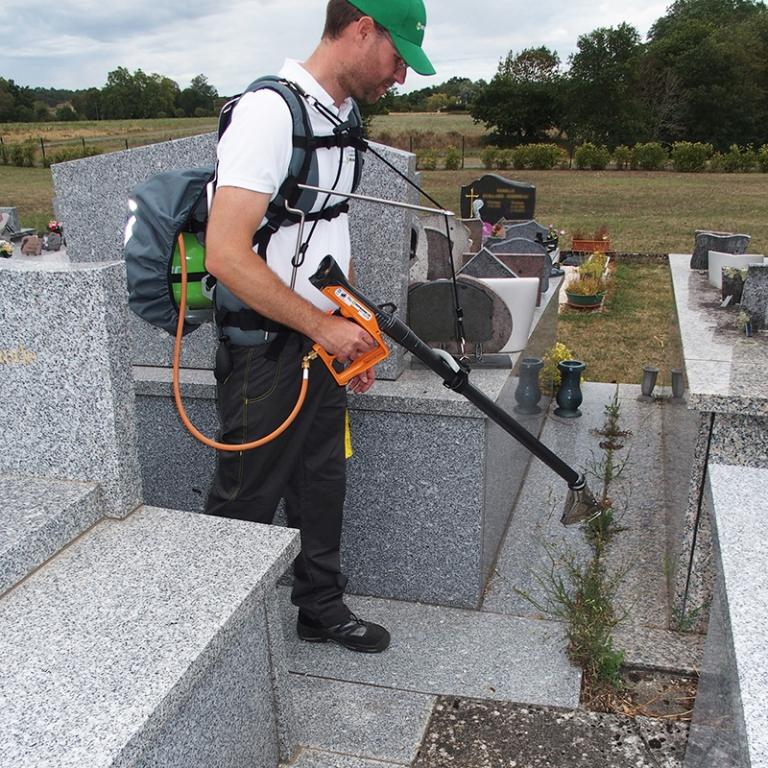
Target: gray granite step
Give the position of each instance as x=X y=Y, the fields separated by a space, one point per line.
x=448 y=651
x=119 y=648
x=37 y=519
x=362 y=721
x=315 y=758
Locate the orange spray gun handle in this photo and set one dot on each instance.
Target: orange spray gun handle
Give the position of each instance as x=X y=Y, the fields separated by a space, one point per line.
x=353 y=309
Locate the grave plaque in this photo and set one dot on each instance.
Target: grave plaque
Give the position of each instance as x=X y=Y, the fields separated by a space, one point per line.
x=502 y=199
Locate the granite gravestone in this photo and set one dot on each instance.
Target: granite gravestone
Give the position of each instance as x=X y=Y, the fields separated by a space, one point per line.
x=502 y=199
x=519 y=245
x=484 y=265
x=725 y=242
x=432 y=315
x=754 y=299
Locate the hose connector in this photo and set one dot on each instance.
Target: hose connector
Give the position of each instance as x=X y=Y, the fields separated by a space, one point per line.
x=308 y=358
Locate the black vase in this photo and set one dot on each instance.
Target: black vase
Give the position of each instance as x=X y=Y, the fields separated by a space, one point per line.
x=528 y=392
x=569 y=395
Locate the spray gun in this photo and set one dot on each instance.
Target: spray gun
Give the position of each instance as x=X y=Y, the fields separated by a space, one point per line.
x=580 y=504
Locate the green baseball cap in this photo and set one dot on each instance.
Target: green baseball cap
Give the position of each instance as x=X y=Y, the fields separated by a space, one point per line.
x=405 y=20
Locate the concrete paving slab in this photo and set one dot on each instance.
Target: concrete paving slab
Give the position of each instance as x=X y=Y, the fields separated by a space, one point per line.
x=360 y=720
x=450 y=651
x=479 y=734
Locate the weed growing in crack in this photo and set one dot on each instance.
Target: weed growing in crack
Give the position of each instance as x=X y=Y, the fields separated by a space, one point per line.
x=582 y=593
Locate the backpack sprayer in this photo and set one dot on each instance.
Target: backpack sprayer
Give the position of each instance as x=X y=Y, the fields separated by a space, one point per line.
x=580 y=503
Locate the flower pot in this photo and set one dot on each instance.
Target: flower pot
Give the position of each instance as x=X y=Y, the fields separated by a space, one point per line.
x=591 y=246
x=528 y=392
x=569 y=395
x=589 y=301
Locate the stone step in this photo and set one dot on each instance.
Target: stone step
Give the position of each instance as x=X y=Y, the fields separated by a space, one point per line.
x=147 y=642
x=38 y=518
x=449 y=651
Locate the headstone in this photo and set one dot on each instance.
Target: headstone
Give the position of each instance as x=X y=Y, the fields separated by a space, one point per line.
x=725 y=242
x=484 y=265
x=517 y=245
x=754 y=298
x=475 y=227
x=530 y=230
x=502 y=199
x=31 y=245
x=91 y=200
x=438 y=254
x=53 y=241
x=527 y=265
x=12 y=222
x=432 y=314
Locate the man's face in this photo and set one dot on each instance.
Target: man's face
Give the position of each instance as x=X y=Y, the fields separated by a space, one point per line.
x=381 y=67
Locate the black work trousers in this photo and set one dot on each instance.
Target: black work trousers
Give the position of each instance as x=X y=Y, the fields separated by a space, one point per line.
x=305 y=465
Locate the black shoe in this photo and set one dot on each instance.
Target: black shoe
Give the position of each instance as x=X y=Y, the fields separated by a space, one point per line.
x=355 y=634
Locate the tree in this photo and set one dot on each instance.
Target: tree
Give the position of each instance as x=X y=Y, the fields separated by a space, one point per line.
x=88 y=103
x=522 y=101
x=604 y=106
x=716 y=50
x=199 y=95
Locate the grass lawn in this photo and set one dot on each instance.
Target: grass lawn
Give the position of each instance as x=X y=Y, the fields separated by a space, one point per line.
x=645 y=212
x=636 y=327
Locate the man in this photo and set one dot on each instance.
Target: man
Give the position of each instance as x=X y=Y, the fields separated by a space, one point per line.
x=366 y=47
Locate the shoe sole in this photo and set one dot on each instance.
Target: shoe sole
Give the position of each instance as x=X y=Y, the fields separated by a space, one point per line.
x=382 y=645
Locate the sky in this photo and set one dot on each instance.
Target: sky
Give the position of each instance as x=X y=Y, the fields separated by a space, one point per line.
x=73 y=44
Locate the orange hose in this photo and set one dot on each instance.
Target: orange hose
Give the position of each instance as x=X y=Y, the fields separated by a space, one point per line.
x=177 y=388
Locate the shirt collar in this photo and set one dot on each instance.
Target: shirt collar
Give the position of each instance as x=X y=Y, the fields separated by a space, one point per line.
x=293 y=70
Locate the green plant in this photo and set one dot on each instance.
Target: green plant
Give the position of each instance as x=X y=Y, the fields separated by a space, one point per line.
x=649 y=157
x=452 y=159
x=23 y=153
x=549 y=375
x=488 y=157
x=622 y=156
x=686 y=621
x=71 y=153
x=591 y=156
x=426 y=160
x=504 y=159
x=716 y=162
x=762 y=158
x=586 y=286
x=739 y=159
x=690 y=156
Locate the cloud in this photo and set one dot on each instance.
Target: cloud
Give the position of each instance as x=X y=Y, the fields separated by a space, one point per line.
x=234 y=43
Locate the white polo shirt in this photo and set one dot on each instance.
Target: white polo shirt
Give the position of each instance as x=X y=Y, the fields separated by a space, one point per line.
x=255 y=154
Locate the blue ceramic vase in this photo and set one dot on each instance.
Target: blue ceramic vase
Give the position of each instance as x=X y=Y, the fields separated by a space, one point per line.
x=569 y=395
x=528 y=392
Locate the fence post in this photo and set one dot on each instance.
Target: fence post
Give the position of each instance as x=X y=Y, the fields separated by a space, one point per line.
x=82 y=138
x=462 y=151
x=410 y=140
x=126 y=143
x=42 y=147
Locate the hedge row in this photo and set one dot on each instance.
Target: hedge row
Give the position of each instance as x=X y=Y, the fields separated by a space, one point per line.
x=25 y=153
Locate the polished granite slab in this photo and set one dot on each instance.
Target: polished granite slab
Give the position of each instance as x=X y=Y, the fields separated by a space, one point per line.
x=725 y=369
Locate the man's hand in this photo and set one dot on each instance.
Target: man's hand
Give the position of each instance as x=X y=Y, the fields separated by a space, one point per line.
x=343 y=339
x=363 y=382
